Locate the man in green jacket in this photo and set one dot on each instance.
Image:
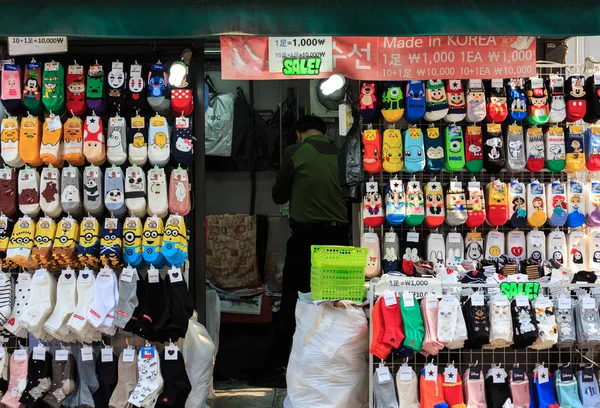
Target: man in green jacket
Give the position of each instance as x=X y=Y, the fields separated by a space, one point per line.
x=309 y=180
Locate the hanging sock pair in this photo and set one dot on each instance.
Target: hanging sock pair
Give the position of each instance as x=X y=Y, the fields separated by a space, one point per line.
x=158 y=89
x=88 y=249
x=501 y=323
x=94 y=148
x=536 y=206
x=555 y=149
x=516 y=244
x=92 y=191
x=393 y=159
x=516 y=160
x=536 y=246
x=497 y=211
x=179 y=192
x=175 y=241
x=65 y=242
x=575 y=149
x=519 y=387
x=11 y=87
x=434 y=204
x=474 y=246
x=152 y=242
x=494 y=157
x=565 y=320
x=51 y=147
x=158 y=141
x=546 y=323
x=576 y=204
x=8 y=192
x=20 y=244
x=475 y=205
x=30 y=139
x=566 y=388
x=392 y=98
x=457 y=107
x=415 y=204
x=497 y=389
x=137 y=139
x=32 y=87
x=94 y=89
x=114 y=195
x=538 y=112
x=434 y=150
x=45 y=231
x=135 y=191
x=70 y=198
x=542 y=388
x=371 y=139
x=430 y=311
x=73 y=142
x=476 y=111
x=556 y=98
x=455 y=149
x=412 y=250
x=132 y=241
x=391 y=249
x=593 y=204
x=497 y=110
x=75 y=84
x=474 y=149
x=116 y=78
x=158 y=203
x=436 y=101
x=116 y=141
x=456 y=205
x=29 y=189
x=111 y=240
x=53 y=88
x=517 y=107
x=414 y=150
x=395 y=203
x=415 y=101
x=50 y=200
x=370 y=241
x=431 y=388
x=592 y=148
x=10 y=142
x=134 y=95
x=575 y=96
x=372 y=206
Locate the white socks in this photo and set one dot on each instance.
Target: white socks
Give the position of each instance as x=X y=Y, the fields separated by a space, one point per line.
x=41 y=303
x=577 y=251
x=6 y=294
x=556 y=247
x=494 y=245
x=536 y=245
x=158 y=199
x=135 y=191
x=78 y=323
x=104 y=301
x=66 y=301
x=150 y=382
x=158 y=141
x=515 y=242
x=22 y=290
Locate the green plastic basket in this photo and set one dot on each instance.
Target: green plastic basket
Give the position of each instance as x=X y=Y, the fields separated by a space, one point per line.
x=330 y=284
x=339 y=257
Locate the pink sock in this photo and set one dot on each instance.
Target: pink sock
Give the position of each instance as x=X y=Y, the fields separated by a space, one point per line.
x=429 y=310
x=370 y=241
x=475 y=390
x=520 y=392
x=18 y=375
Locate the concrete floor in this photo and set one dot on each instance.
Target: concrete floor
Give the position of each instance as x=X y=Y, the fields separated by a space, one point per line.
x=240 y=395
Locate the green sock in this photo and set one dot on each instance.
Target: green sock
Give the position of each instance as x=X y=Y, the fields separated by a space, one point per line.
x=53 y=88
x=414 y=330
x=455 y=149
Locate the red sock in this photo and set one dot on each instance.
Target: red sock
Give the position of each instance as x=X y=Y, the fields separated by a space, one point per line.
x=453 y=393
x=378 y=348
x=475 y=208
x=75 y=90
x=392 y=335
x=372 y=151
x=497 y=211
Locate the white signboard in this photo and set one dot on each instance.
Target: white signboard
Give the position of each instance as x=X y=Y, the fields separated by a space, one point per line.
x=420 y=287
x=301 y=48
x=36 y=45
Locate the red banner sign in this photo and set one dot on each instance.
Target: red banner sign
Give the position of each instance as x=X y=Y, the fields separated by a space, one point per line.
x=390 y=58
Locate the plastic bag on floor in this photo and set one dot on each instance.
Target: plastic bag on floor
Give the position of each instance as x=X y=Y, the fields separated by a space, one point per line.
x=328 y=366
x=199 y=353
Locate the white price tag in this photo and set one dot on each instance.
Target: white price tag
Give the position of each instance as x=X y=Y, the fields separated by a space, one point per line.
x=39 y=275
x=522 y=301
x=588 y=303
x=106 y=354
x=372 y=187
x=497 y=83
x=477 y=299
x=171 y=352
x=543 y=376
x=127 y=274
x=87 y=353
x=501 y=300
x=182 y=122
x=117 y=121
x=475 y=83
x=51 y=66
x=117 y=66
x=499 y=376
x=537 y=82
x=543 y=302
x=431 y=302
x=474 y=185
x=135 y=71
x=454 y=237
x=450 y=374
x=412 y=237
x=61 y=355
x=455 y=185
x=564 y=302
x=20 y=355
x=406 y=373
x=408 y=298
x=175 y=275
x=37 y=45
x=389 y=298
x=53 y=123
x=431 y=372
x=75 y=69
x=129 y=355
x=370 y=237
x=153 y=275
x=39 y=353
x=383 y=375
x=390 y=237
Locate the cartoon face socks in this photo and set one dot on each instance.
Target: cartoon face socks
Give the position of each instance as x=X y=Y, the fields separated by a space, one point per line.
x=411 y=250
x=556 y=99
x=76 y=89
x=29 y=187
x=576 y=100
x=556 y=247
x=455 y=153
x=94 y=90
x=577 y=251
x=134 y=97
x=93 y=140
x=393 y=103
x=497 y=110
x=135 y=191
x=414 y=150
x=474 y=149
x=593 y=204
x=370 y=240
x=158 y=203
x=576 y=204
x=457 y=109
x=456 y=205
x=111 y=242
x=116 y=86
x=70 y=197
x=137 y=138
x=515 y=159
x=391 y=250
x=32 y=80
x=50 y=201
x=517 y=108
x=536 y=207
x=497 y=211
x=158 y=89
x=538 y=112
x=92 y=191
x=53 y=88
x=475 y=101
x=114 y=196
x=73 y=142
x=494 y=245
x=116 y=141
x=371 y=139
x=158 y=141
x=575 y=148
x=555 y=149
x=415 y=205
x=372 y=206
x=30 y=138
x=175 y=243
x=11 y=87
x=415 y=101
x=434 y=204
x=437 y=102
x=494 y=157
x=393 y=160
x=152 y=242
x=434 y=150
x=10 y=142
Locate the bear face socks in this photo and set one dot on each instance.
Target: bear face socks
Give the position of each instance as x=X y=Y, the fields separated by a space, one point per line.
x=515 y=159
x=8 y=192
x=76 y=89
x=475 y=101
x=393 y=160
x=372 y=143
x=29 y=187
x=93 y=202
x=493 y=148
x=534 y=144
x=457 y=107
x=137 y=139
x=158 y=203
x=538 y=112
x=556 y=203
x=116 y=141
x=576 y=204
x=393 y=103
x=497 y=209
x=10 y=142
x=114 y=196
x=575 y=149
x=556 y=99
x=50 y=202
x=150 y=381
x=456 y=205
x=414 y=150
x=395 y=203
x=474 y=149
x=415 y=101
x=30 y=138
x=555 y=149
x=453 y=388
x=372 y=206
x=434 y=150
x=497 y=110
x=135 y=191
x=436 y=101
x=70 y=197
x=158 y=141
x=32 y=81
x=455 y=145
x=378 y=348
x=370 y=240
x=576 y=100
x=415 y=205
x=93 y=140
x=536 y=207
x=434 y=204
x=73 y=142
x=51 y=148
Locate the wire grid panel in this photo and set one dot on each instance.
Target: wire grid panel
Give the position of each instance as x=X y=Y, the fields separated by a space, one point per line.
x=463 y=358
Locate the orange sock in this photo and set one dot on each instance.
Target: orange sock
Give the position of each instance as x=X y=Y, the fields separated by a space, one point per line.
x=431 y=392
x=453 y=393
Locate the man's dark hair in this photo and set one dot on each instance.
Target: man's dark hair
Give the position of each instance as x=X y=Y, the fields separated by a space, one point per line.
x=309 y=122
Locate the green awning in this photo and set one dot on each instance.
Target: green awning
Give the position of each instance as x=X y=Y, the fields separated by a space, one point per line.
x=203 y=18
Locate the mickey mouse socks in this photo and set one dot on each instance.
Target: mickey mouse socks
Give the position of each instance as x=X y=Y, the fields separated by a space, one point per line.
x=536 y=207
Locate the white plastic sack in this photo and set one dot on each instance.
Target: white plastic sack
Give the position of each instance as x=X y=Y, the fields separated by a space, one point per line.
x=198 y=352
x=328 y=366
x=219 y=125
x=213 y=316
